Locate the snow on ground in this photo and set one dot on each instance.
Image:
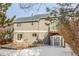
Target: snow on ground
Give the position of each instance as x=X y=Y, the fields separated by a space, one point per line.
x=39 y=51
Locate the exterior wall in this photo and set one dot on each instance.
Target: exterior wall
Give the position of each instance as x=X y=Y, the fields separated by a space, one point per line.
x=27 y=30
x=28 y=36
x=26 y=26
x=42 y=35
x=42 y=25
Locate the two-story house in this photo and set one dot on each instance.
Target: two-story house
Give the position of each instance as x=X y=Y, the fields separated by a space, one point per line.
x=32 y=29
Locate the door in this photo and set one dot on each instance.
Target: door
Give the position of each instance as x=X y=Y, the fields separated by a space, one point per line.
x=56 y=40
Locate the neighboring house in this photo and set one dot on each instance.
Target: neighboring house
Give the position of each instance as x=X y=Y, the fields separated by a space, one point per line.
x=31 y=29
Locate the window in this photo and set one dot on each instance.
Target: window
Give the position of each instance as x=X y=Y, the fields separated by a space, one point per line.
x=19 y=36
x=34 y=34
x=18 y=24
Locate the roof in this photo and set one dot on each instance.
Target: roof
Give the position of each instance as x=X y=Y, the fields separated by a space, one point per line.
x=32 y=18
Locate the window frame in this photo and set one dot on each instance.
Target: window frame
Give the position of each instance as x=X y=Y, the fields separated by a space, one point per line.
x=34 y=34
x=18 y=24
x=19 y=36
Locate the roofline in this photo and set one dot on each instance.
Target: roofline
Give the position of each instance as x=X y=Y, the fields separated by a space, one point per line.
x=28 y=20
x=25 y=21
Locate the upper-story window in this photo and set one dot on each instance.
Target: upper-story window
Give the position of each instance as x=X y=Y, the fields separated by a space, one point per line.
x=18 y=24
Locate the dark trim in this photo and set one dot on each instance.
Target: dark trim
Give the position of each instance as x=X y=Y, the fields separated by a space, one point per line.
x=26 y=22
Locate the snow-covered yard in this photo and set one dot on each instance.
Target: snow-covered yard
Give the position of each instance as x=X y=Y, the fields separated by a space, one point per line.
x=39 y=51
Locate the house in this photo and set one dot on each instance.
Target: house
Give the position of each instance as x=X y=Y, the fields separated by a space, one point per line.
x=33 y=29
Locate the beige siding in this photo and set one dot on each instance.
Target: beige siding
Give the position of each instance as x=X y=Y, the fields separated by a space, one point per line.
x=42 y=25
x=27 y=36
x=42 y=35
x=26 y=26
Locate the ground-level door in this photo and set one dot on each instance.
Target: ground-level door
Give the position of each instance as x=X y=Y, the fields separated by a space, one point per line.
x=57 y=40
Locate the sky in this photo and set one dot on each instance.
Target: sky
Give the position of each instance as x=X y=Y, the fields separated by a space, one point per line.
x=16 y=10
